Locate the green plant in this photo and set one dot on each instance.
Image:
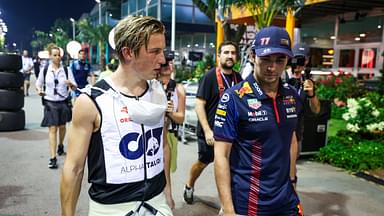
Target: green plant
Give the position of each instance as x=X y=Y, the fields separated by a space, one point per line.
x=363 y=116
x=203 y=66
x=340 y=86
x=351 y=154
x=325 y=92
x=337 y=112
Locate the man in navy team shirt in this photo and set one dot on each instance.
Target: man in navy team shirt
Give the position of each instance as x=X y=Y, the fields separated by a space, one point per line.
x=81 y=69
x=254 y=126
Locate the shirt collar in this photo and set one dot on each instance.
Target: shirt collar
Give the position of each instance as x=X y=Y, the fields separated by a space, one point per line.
x=282 y=91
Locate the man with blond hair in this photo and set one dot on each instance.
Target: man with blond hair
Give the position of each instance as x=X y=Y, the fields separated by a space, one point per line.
x=118 y=126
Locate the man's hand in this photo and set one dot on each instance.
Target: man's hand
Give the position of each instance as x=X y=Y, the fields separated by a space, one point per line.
x=170 y=106
x=169 y=198
x=41 y=92
x=209 y=137
x=309 y=87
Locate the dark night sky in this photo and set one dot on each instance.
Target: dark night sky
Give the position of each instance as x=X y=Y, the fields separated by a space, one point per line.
x=23 y=16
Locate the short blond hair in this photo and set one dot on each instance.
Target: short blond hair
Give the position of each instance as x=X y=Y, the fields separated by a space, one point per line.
x=134 y=31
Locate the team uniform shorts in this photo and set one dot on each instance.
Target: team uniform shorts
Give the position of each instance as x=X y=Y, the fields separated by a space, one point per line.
x=56 y=113
x=131 y=208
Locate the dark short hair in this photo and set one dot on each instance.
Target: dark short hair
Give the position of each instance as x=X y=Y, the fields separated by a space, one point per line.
x=226 y=43
x=82 y=50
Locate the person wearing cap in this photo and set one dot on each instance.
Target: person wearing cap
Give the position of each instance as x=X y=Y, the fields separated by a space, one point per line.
x=176 y=105
x=254 y=126
x=211 y=87
x=306 y=90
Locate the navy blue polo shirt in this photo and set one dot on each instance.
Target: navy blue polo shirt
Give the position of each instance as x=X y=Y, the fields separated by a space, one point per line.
x=81 y=70
x=260 y=129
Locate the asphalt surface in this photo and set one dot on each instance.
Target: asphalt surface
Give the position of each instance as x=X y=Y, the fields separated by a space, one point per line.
x=29 y=188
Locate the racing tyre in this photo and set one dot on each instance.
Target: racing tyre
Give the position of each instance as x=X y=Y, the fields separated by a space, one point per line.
x=11 y=100
x=11 y=121
x=10 y=62
x=11 y=80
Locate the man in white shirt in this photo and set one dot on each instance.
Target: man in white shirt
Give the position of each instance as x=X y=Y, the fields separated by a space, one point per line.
x=26 y=70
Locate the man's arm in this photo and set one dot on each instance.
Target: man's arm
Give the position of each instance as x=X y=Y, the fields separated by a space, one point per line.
x=178 y=116
x=202 y=117
x=314 y=103
x=167 y=162
x=293 y=152
x=222 y=175
x=80 y=131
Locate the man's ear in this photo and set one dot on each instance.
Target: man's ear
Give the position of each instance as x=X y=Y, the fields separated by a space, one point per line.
x=127 y=53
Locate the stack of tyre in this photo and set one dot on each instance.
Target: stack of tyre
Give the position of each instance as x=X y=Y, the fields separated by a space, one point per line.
x=12 y=116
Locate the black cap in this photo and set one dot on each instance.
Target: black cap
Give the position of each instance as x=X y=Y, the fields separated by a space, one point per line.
x=169 y=55
x=300 y=49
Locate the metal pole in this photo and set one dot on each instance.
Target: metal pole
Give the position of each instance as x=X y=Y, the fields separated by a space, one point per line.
x=73 y=30
x=173 y=28
x=99 y=13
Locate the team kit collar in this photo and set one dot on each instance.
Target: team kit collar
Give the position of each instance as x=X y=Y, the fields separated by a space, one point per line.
x=258 y=92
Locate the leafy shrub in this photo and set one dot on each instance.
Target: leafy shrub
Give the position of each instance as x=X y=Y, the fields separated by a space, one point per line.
x=363 y=116
x=351 y=154
x=341 y=86
x=337 y=112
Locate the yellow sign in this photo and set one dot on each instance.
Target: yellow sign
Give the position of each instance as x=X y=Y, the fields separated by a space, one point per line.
x=309 y=2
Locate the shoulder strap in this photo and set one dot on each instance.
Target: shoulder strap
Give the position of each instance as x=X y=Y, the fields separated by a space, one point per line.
x=45 y=74
x=66 y=71
x=220 y=81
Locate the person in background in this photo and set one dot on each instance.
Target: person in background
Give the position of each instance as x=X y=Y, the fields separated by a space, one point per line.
x=36 y=66
x=110 y=68
x=248 y=69
x=118 y=129
x=305 y=87
x=54 y=85
x=176 y=105
x=254 y=125
x=211 y=87
x=82 y=70
x=27 y=67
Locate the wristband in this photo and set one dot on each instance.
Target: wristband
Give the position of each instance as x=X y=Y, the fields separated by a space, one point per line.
x=294 y=181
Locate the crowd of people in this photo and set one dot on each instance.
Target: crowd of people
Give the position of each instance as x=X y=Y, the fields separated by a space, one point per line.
x=124 y=125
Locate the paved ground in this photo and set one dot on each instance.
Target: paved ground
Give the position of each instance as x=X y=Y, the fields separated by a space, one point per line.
x=29 y=188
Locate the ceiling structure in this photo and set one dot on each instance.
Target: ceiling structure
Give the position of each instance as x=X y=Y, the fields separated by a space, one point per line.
x=359 y=8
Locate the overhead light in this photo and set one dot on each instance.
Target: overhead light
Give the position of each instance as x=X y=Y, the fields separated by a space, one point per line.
x=333 y=37
x=188 y=45
x=357 y=38
x=379 y=26
x=315 y=38
x=362 y=35
x=196 y=45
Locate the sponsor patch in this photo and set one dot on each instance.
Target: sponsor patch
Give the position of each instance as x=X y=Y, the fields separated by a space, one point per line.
x=245 y=89
x=258 y=113
x=289 y=100
x=257 y=88
x=222 y=106
x=254 y=103
x=221 y=112
x=225 y=98
x=258 y=119
x=219 y=124
x=291 y=116
x=290 y=110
